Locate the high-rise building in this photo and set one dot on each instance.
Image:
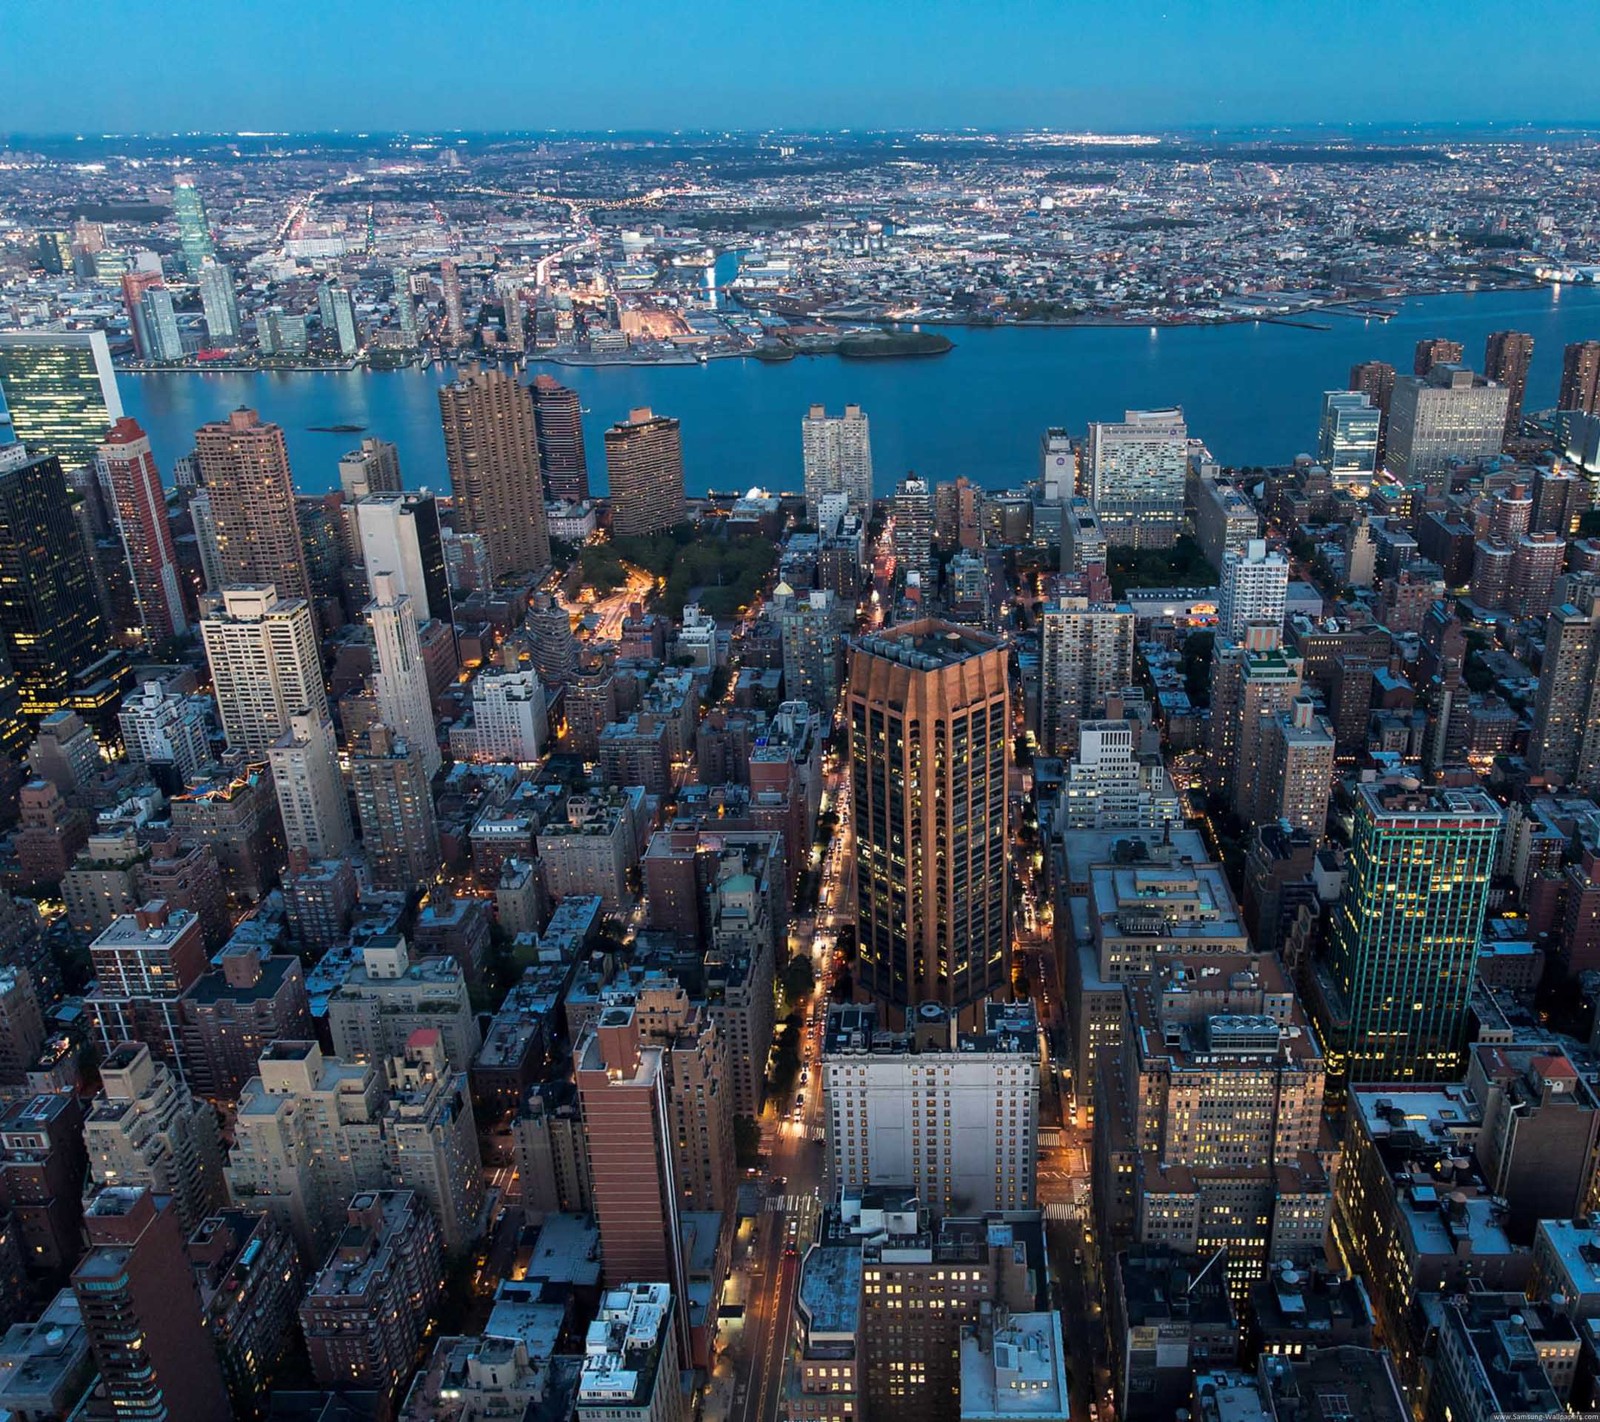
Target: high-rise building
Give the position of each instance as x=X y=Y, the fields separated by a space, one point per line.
x=1450 y=414
x=1110 y=786
x=394 y=807
x=22 y=1031
x=143 y=963
x=644 y=468
x=551 y=643
x=194 y=228
x=1297 y=776
x=1252 y=680
x=141 y=1311
x=911 y=509
x=401 y=680
x=454 y=316
x=163 y=340
x=1255 y=588
x=162 y=728
x=391 y=994
x=1394 y=989
x=140 y=506
x=1347 y=445
x=810 y=629
x=558 y=418
x=265 y=664
x=1506 y=357
x=344 y=318
x=1432 y=351
x=134 y=286
x=405 y=309
x=220 y=302
x=431 y=1139
x=311 y=798
x=1136 y=473
x=400 y=536
x=1375 y=380
x=49 y=615
x=968 y=1098
x=61 y=391
x=630 y=1355
x=929 y=721
x=372 y=469
x=492 y=446
x=1566 y=711
x=509 y=718
x=1086 y=657
x=1580 y=377
x=837 y=453
x=245 y=467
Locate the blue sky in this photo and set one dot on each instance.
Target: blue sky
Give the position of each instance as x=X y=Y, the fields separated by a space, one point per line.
x=160 y=65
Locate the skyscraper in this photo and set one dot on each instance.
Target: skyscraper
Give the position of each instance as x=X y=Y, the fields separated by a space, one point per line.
x=1136 y=474
x=245 y=466
x=837 y=453
x=1432 y=351
x=1297 y=769
x=400 y=535
x=558 y=417
x=344 y=318
x=491 y=442
x=1580 y=377
x=1506 y=357
x=1348 y=442
x=194 y=228
x=644 y=467
x=220 y=303
x=134 y=286
x=141 y=1310
x=1085 y=658
x=140 y=507
x=265 y=665
x=1375 y=380
x=49 y=614
x=163 y=341
x=372 y=469
x=61 y=391
x=929 y=719
x=1566 y=708
x=1255 y=588
x=1448 y=415
x=311 y=798
x=1405 y=935
x=454 y=317
x=1251 y=681
x=401 y=682
x=911 y=508
x=394 y=805
x=405 y=309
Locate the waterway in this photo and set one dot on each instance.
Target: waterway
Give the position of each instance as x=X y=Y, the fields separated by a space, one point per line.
x=1251 y=390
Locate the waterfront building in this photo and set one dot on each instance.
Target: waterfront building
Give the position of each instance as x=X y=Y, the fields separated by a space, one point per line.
x=374 y=468
x=1136 y=472
x=139 y=505
x=454 y=316
x=1580 y=378
x=1395 y=986
x=220 y=303
x=1447 y=416
x=644 y=466
x=60 y=389
x=836 y=451
x=141 y=1311
x=1506 y=357
x=265 y=663
x=492 y=446
x=1347 y=445
x=311 y=794
x=400 y=683
x=245 y=467
x=558 y=421
x=194 y=227
x=1432 y=351
x=929 y=724
x=134 y=286
x=1255 y=589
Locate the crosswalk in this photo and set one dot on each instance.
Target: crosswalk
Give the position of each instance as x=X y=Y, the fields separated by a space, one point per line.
x=788 y=1204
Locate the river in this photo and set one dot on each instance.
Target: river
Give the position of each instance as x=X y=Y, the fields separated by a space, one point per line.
x=1252 y=391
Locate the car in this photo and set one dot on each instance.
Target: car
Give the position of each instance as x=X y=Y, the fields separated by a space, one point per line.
x=799 y=1099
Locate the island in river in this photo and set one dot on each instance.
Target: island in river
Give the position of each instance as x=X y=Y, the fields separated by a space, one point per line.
x=858 y=345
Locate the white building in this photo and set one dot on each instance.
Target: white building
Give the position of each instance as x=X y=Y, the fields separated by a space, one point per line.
x=1086 y=657
x=631 y=1359
x=389 y=995
x=401 y=681
x=1136 y=471
x=953 y=1118
x=265 y=664
x=1448 y=415
x=509 y=720
x=1109 y=786
x=1016 y=1371
x=1255 y=588
x=162 y=728
x=311 y=795
x=837 y=451
x=400 y=536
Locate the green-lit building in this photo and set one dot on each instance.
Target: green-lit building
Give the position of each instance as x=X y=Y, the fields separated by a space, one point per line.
x=50 y=615
x=61 y=391
x=194 y=227
x=1391 y=999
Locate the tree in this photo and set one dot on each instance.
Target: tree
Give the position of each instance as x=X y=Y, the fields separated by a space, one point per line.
x=844 y=986
x=746 y=1142
x=799 y=978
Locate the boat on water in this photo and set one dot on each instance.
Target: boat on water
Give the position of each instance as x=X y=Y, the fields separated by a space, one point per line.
x=337 y=429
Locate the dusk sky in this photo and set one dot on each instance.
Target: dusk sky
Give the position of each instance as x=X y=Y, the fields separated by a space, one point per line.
x=134 y=65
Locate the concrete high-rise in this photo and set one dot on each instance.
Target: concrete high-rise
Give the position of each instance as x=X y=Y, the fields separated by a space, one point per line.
x=1375 y=380
x=311 y=797
x=49 y=614
x=140 y=507
x=1251 y=681
x=558 y=418
x=1347 y=444
x=455 y=322
x=1086 y=657
x=220 y=302
x=141 y=1310
x=1394 y=989
x=492 y=446
x=394 y=805
x=1432 y=351
x=929 y=724
x=1580 y=377
x=911 y=509
x=61 y=391
x=1448 y=415
x=1255 y=588
x=1136 y=472
x=245 y=467
x=134 y=286
x=401 y=680
x=1297 y=764
x=372 y=469
x=644 y=466
x=143 y=963
x=405 y=309
x=400 y=536
x=163 y=340
x=837 y=454
x=1506 y=357
x=194 y=227
x=1566 y=708
x=265 y=665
